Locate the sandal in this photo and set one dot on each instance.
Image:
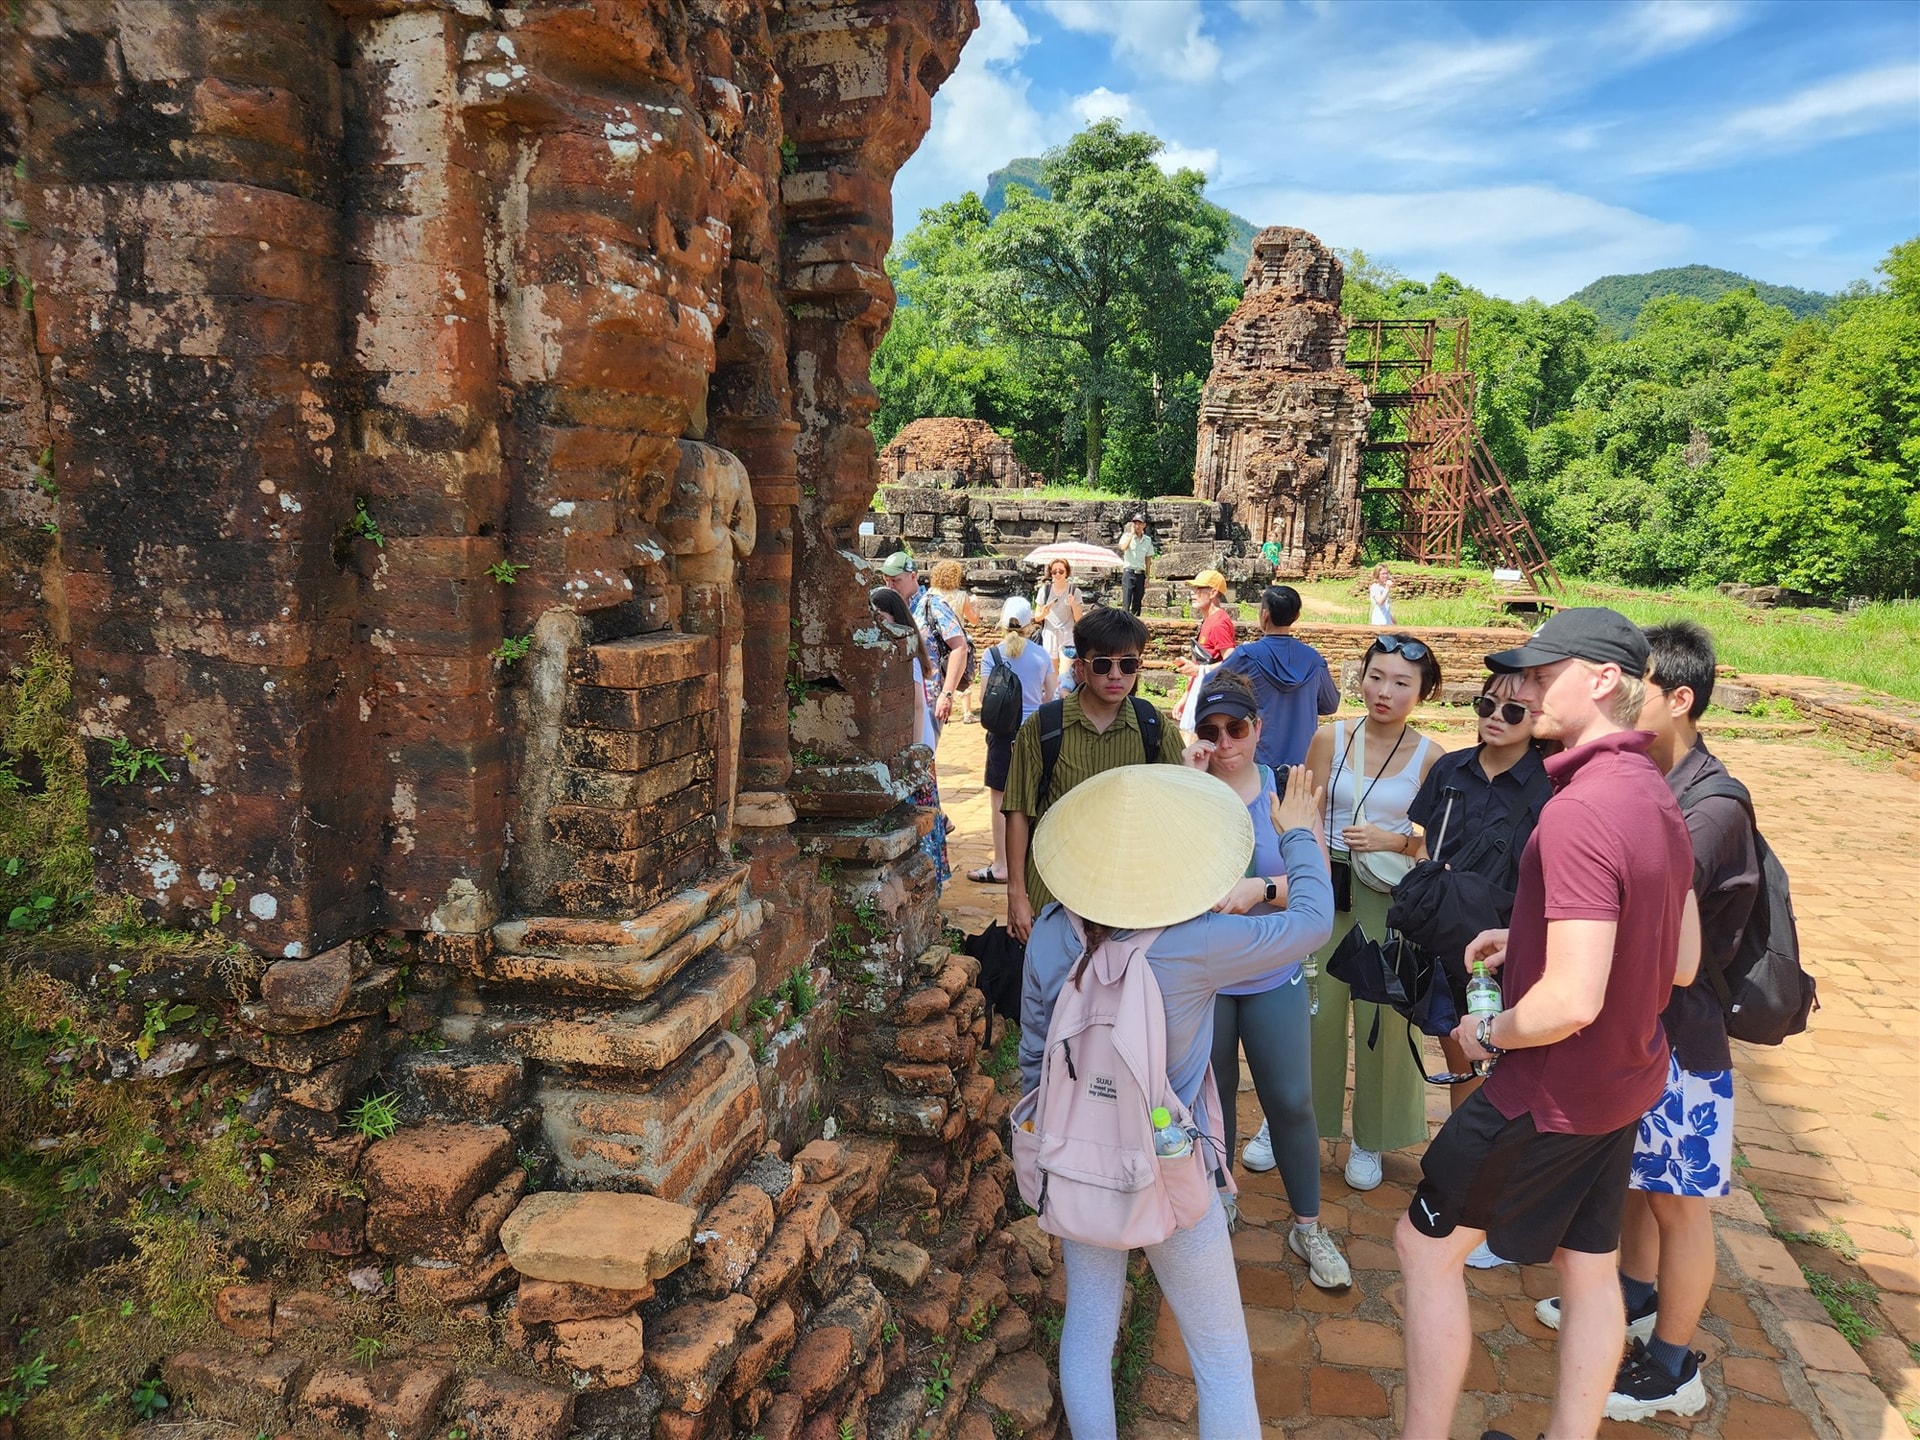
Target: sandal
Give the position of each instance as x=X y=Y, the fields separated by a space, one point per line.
x=985 y=876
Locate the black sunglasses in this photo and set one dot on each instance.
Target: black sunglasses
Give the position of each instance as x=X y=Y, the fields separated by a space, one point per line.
x=1129 y=664
x=1402 y=646
x=1452 y=1079
x=1510 y=711
x=1238 y=726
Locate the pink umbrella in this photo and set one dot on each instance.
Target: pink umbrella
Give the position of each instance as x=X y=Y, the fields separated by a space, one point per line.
x=1076 y=553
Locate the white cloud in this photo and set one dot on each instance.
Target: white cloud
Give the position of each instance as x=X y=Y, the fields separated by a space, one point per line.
x=1426 y=76
x=1513 y=240
x=1846 y=105
x=982 y=118
x=1180 y=157
x=1660 y=27
x=1158 y=37
x=1000 y=38
x=1102 y=104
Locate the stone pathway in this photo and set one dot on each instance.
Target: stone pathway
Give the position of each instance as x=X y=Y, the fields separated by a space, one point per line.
x=1827 y=1128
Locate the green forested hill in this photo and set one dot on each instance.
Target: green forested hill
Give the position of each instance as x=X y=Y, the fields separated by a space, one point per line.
x=1618 y=299
x=1026 y=171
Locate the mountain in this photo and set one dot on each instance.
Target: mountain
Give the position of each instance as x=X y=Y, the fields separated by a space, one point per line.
x=1617 y=299
x=1026 y=172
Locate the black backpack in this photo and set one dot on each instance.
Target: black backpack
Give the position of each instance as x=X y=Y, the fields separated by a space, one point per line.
x=1003 y=971
x=1002 y=699
x=1764 y=990
x=1053 y=725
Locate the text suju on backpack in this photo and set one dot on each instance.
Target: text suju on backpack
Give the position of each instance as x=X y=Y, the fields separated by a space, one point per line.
x=1764 y=990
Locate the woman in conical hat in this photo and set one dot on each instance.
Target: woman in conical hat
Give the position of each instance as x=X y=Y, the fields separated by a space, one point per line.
x=1158 y=847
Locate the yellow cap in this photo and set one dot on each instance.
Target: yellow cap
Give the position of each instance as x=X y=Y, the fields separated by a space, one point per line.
x=1209 y=580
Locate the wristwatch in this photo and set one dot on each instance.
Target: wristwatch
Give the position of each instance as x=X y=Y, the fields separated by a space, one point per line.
x=1273 y=892
x=1484 y=1035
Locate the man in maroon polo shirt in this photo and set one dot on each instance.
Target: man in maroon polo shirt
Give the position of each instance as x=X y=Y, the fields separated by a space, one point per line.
x=1604 y=925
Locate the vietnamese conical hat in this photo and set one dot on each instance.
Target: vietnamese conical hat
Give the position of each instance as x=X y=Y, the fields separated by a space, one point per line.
x=1144 y=845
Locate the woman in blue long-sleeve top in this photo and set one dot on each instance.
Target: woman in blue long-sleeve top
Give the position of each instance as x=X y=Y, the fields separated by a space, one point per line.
x=1161 y=847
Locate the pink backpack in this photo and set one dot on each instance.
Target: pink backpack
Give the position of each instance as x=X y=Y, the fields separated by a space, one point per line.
x=1082 y=1140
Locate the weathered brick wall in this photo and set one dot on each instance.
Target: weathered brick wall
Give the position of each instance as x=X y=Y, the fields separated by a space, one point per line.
x=459 y=416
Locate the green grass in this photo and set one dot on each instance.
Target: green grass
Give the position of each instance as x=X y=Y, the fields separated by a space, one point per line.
x=1840 y=1299
x=1877 y=646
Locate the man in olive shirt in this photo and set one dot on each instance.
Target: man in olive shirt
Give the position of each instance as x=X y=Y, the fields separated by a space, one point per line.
x=1099 y=729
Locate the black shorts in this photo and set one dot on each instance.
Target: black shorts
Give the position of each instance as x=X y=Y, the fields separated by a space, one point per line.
x=1532 y=1191
x=999 y=760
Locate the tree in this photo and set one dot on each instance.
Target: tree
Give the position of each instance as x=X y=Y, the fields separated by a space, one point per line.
x=1110 y=282
x=1823 y=492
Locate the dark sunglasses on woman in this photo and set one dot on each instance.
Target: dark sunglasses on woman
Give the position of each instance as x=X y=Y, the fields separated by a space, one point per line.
x=1404 y=646
x=1510 y=711
x=1104 y=664
x=1238 y=726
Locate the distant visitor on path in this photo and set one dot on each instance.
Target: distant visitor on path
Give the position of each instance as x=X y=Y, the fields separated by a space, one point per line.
x=1207 y=593
x=1058 y=605
x=1029 y=668
x=948 y=582
x=1290 y=679
x=1136 y=563
x=1104 y=852
x=1380 y=597
x=891 y=606
x=1604 y=926
x=941 y=630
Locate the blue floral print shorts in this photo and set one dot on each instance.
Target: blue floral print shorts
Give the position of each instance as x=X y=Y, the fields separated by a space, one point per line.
x=1685 y=1144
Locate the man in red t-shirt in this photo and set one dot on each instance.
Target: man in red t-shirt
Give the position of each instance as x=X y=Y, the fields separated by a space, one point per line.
x=1604 y=926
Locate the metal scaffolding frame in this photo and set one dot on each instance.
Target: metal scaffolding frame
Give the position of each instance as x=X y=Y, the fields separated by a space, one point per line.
x=1450 y=490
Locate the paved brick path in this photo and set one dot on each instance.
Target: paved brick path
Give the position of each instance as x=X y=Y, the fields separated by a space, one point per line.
x=1827 y=1125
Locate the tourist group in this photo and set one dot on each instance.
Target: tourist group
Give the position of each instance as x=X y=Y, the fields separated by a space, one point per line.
x=1564 y=906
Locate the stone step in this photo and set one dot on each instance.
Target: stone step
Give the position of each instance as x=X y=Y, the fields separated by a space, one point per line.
x=634 y=957
x=651 y=1036
x=865 y=842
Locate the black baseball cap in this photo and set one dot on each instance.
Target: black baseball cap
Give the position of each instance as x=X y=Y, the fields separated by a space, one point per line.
x=1591 y=633
x=1222 y=699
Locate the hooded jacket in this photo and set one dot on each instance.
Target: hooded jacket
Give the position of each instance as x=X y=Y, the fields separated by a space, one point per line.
x=1293 y=687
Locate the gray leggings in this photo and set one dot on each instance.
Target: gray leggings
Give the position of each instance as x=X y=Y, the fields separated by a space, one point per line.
x=1276 y=1030
x=1195 y=1271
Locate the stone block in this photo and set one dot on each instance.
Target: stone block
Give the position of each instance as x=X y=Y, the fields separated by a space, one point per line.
x=312 y=991
x=421 y=1181
x=729 y=1240
x=499 y=1405
x=308 y=1310
x=693 y=1345
x=541 y=1302
x=245 y=1311
x=819 y=1363
x=1019 y=1390
x=645 y=661
x=821 y=1160
x=240 y=1389
x=680 y=1137
x=900 y=1264
x=650 y=1037
x=397 y=1401
x=769 y=1338
x=305 y=1052
x=452 y=1284
x=779 y=1261
x=598 y=1238
x=610 y=1351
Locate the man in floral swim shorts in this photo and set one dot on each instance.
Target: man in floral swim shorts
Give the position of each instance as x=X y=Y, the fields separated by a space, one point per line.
x=1683 y=1154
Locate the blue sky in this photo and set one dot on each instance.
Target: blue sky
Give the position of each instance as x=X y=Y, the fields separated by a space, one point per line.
x=1525 y=148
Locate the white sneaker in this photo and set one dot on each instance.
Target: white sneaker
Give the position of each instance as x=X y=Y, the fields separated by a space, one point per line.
x=1258 y=1153
x=1326 y=1266
x=1639 y=1325
x=1363 y=1168
x=1483 y=1258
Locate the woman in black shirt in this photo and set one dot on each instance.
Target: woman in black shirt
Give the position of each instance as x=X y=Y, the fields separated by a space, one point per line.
x=1500 y=788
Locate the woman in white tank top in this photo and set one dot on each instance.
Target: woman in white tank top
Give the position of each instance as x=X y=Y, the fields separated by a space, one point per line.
x=1374 y=767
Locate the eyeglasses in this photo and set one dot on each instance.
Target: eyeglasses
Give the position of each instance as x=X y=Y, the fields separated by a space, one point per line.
x=1238 y=726
x=1403 y=646
x=1104 y=665
x=1510 y=711
x=1453 y=1078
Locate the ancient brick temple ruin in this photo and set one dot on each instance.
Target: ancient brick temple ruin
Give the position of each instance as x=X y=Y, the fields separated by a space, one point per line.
x=943 y=450
x=1281 y=423
x=435 y=434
